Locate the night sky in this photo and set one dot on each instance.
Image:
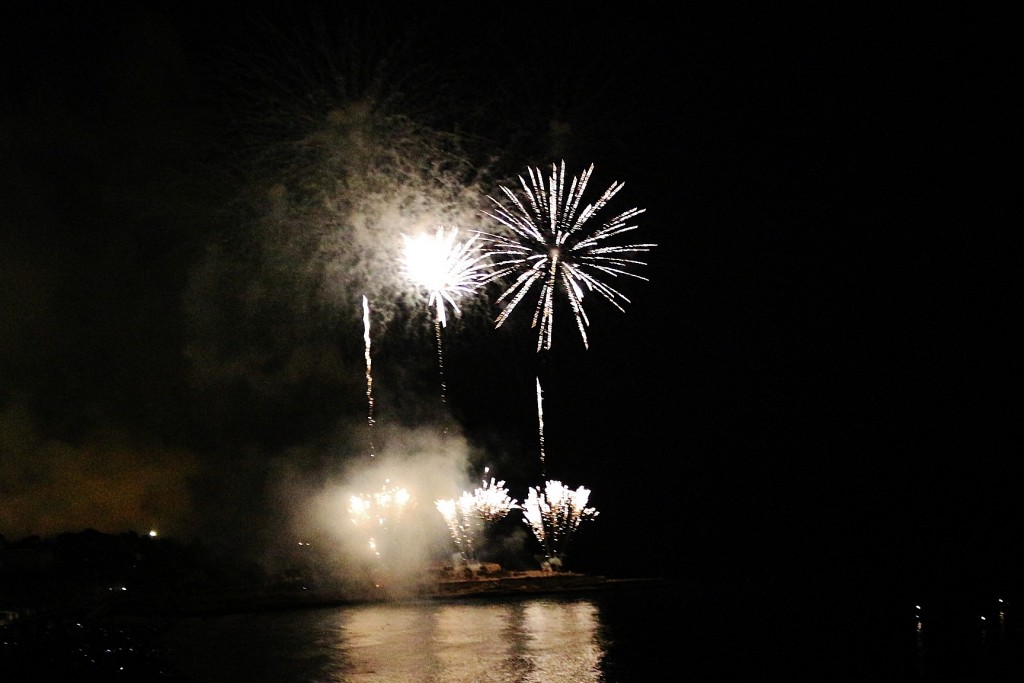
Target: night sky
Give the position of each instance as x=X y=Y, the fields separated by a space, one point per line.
x=817 y=382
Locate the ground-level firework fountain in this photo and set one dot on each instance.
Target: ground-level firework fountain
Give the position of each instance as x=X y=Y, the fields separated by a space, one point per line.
x=469 y=516
x=377 y=515
x=554 y=515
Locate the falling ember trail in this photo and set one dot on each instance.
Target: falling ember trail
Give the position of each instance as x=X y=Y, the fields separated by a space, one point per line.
x=440 y=366
x=448 y=269
x=369 y=376
x=440 y=359
x=540 y=425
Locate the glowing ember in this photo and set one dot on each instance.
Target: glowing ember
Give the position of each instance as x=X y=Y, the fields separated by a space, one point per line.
x=551 y=245
x=554 y=516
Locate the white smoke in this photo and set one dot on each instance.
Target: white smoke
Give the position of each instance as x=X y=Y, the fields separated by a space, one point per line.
x=389 y=553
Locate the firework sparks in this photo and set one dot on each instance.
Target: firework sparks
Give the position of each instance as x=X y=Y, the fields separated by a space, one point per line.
x=376 y=513
x=469 y=516
x=449 y=269
x=465 y=527
x=369 y=375
x=551 y=245
x=492 y=502
x=540 y=427
x=555 y=515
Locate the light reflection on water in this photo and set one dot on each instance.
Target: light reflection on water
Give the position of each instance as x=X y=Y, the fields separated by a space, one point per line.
x=618 y=636
x=521 y=641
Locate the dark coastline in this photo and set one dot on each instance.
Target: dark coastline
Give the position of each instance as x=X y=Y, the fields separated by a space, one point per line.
x=261 y=599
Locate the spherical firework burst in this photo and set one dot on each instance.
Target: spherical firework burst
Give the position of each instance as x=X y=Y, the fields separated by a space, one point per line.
x=556 y=514
x=555 y=245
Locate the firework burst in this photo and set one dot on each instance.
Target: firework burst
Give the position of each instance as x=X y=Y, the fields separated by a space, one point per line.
x=555 y=514
x=550 y=245
x=446 y=267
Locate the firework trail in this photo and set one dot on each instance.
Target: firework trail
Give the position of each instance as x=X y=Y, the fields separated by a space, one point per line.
x=448 y=269
x=369 y=375
x=555 y=515
x=550 y=244
x=540 y=426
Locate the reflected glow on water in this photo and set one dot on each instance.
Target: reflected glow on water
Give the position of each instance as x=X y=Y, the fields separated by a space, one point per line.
x=532 y=641
x=514 y=641
x=615 y=636
x=563 y=641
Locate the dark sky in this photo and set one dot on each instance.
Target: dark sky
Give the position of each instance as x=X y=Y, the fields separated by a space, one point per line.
x=819 y=373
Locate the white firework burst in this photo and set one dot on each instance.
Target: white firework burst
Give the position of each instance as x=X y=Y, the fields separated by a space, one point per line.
x=448 y=268
x=554 y=244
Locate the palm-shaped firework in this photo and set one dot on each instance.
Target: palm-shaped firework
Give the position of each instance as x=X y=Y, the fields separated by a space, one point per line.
x=559 y=247
x=556 y=514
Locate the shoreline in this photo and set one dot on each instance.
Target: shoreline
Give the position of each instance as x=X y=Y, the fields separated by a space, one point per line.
x=257 y=599
x=525 y=583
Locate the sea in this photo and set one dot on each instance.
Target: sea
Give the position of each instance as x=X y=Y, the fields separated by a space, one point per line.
x=634 y=632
